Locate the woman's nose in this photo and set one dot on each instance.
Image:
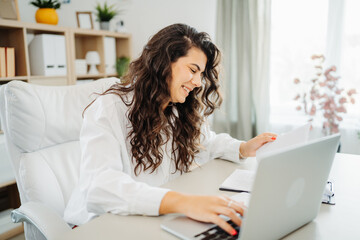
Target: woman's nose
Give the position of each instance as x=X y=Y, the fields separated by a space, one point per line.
x=196 y=80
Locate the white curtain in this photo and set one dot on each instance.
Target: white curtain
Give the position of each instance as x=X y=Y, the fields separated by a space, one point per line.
x=334 y=33
x=243 y=35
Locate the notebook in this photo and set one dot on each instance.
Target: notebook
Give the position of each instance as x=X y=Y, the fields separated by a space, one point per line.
x=286 y=193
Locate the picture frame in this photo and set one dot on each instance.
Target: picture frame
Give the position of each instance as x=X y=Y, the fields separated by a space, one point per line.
x=9 y=9
x=84 y=20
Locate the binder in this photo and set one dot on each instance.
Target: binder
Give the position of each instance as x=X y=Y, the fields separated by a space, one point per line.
x=110 y=55
x=10 y=62
x=2 y=62
x=47 y=55
x=60 y=54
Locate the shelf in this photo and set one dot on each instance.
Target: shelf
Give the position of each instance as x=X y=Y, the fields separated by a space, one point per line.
x=78 y=42
x=91 y=32
x=11 y=23
x=93 y=76
x=6 y=79
x=112 y=75
x=5 y=183
x=46 y=77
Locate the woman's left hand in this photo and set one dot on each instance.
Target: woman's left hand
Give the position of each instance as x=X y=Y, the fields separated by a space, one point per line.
x=249 y=148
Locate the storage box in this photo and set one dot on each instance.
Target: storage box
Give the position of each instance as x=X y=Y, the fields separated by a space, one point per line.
x=47 y=54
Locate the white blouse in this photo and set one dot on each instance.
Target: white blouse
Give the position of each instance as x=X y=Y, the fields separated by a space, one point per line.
x=107 y=181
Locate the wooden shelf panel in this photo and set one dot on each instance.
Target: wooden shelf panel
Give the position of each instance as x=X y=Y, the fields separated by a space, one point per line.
x=92 y=32
x=7 y=79
x=43 y=31
x=5 y=183
x=90 y=76
x=111 y=75
x=47 y=77
x=11 y=23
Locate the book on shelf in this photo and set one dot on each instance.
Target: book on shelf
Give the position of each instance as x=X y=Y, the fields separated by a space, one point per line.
x=10 y=61
x=2 y=62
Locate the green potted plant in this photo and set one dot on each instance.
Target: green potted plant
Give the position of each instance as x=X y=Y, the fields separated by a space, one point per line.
x=104 y=14
x=47 y=11
x=122 y=65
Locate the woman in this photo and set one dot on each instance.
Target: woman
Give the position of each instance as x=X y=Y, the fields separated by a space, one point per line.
x=151 y=128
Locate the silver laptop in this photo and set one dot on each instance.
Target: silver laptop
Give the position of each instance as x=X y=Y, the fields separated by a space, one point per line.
x=286 y=193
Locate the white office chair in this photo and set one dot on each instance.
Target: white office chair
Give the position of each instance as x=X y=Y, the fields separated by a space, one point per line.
x=42 y=126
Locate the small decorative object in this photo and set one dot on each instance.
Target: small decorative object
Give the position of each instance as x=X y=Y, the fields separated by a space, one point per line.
x=120 y=27
x=84 y=20
x=92 y=59
x=324 y=95
x=9 y=9
x=122 y=65
x=47 y=11
x=80 y=66
x=104 y=14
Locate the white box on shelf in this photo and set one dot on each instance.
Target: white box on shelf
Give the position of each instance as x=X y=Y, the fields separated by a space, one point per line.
x=47 y=54
x=110 y=55
x=80 y=66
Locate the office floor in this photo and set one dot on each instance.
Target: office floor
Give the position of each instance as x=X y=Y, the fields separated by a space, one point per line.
x=18 y=237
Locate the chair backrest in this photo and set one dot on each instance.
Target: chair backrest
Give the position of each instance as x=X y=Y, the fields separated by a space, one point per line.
x=42 y=126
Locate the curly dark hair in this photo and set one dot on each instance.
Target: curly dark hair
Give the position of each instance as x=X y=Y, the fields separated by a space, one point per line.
x=148 y=80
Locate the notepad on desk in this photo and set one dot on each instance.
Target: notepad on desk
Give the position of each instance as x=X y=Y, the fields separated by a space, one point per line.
x=239 y=181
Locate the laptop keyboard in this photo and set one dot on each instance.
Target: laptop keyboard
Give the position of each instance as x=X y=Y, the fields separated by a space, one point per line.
x=218 y=233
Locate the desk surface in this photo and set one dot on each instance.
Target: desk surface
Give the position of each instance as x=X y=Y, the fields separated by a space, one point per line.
x=333 y=222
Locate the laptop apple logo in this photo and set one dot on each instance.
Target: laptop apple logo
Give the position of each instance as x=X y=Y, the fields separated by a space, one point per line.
x=295 y=192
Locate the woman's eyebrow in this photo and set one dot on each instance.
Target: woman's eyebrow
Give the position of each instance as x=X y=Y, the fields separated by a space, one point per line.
x=197 y=66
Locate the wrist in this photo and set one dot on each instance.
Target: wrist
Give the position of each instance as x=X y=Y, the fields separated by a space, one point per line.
x=172 y=202
x=242 y=152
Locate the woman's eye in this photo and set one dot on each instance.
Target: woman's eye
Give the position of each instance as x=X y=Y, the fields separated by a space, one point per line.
x=192 y=70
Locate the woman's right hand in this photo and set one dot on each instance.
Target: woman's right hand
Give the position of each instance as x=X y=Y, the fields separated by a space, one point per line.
x=204 y=208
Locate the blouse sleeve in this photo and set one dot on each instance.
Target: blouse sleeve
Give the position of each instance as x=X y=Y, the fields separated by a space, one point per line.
x=217 y=146
x=104 y=156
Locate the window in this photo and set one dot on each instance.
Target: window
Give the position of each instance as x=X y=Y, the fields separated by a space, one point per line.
x=350 y=58
x=299 y=29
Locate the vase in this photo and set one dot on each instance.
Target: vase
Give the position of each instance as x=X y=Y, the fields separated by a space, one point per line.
x=104 y=25
x=47 y=16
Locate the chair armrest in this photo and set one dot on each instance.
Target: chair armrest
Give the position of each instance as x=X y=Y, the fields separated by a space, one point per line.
x=46 y=220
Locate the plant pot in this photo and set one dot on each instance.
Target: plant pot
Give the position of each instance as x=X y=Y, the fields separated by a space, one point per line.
x=47 y=16
x=105 y=25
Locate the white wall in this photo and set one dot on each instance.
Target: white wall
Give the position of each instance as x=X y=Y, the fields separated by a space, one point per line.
x=143 y=18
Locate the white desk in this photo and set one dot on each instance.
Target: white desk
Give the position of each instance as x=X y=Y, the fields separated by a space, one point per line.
x=340 y=221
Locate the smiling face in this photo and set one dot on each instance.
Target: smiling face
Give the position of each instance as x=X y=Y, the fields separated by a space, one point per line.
x=186 y=74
